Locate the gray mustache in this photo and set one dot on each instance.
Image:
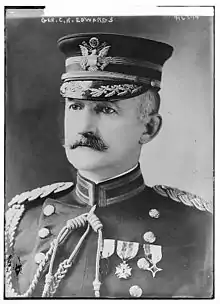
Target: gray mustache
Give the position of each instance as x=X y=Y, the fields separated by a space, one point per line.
x=90 y=141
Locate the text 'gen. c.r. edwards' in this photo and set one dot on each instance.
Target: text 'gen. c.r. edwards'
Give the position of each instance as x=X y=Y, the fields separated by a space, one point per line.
x=66 y=20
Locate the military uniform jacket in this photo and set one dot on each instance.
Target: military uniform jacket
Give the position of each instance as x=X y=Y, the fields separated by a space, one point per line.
x=117 y=239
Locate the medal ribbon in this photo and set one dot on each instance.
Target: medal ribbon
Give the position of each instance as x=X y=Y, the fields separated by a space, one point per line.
x=155 y=251
x=127 y=250
x=108 y=248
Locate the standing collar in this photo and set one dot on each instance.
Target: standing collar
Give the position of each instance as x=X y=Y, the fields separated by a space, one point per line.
x=121 y=174
x=111 y=191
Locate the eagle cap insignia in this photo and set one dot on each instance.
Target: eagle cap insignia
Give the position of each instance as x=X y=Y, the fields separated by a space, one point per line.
x=94 y=55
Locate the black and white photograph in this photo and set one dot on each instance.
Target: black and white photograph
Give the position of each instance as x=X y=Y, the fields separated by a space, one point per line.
x=109 y=155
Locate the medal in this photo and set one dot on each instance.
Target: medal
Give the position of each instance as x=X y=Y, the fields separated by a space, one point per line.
x=107 y=251
x=126 y=251
x=153 y=255
x=123 y=270
x=108 y=248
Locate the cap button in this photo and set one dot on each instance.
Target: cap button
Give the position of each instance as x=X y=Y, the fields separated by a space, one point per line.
x=135 y=291
x=39 y=257
x=153 y=83
x=48 y=210
x=43 y=233
x=149 y=237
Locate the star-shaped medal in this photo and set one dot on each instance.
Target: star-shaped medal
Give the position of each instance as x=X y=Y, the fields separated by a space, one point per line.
x=154 y=269
x=123 y=271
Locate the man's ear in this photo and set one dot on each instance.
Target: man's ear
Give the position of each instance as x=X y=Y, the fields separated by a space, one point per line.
x=152 y=128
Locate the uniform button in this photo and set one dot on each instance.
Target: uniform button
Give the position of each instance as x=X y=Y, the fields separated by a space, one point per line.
x=154 y=213
x=48 y=210
x=135 y=291
x=153 y=83
x=149 y=237
x=43 y=233
x=39 y=257
x=143 y=264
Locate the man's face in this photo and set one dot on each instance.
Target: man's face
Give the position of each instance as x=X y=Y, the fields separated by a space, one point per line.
x=102 y=134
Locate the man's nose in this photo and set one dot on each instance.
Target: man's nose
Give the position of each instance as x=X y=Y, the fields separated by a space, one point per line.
x=88 y=121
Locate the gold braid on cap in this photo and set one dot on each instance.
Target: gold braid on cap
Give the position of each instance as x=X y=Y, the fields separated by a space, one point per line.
x=71 y=88
x=184 y=197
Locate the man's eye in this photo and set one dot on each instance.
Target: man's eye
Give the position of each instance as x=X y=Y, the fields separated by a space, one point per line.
x=106 y=110
x=75 y=106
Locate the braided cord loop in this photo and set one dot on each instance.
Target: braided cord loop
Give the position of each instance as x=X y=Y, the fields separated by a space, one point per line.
x=63 y=268
x=52 y=282
x=13 y=217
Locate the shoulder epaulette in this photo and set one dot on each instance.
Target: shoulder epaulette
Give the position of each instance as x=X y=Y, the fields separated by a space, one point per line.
x=184 y=197
x=39 y=193
x=14 y=214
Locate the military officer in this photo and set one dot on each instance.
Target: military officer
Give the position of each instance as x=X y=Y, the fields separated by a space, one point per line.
x=109 y=235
